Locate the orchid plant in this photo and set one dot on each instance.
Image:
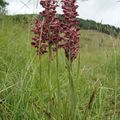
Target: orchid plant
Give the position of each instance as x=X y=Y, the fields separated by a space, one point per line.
x=53 y=33
x=47 y=30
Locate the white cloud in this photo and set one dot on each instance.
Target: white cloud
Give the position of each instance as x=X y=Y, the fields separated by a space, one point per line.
x=23 y=6
x=106 y=11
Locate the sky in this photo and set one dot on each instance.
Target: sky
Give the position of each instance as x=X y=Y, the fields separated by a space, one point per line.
x=105 y=11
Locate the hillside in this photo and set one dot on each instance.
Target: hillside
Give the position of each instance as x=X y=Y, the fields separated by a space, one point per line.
x=24 y=92
x=83 y=24
x=104 y=28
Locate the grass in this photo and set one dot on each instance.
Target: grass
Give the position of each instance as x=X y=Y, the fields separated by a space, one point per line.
x=24 y=96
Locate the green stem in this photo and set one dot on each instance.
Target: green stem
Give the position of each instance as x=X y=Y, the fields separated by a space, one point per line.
x=78 y=68
x=73 y=96
x=39 y=49
x=58 y=83
x=49 y=71
x=40 y=69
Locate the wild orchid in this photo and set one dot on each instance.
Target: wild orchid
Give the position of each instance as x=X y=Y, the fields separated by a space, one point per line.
x=46 y=30
x=70 y=29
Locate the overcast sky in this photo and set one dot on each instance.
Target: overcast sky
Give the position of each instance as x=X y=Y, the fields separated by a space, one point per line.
x=107 y=11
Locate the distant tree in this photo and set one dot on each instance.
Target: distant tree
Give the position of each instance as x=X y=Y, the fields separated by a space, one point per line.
x=3 y=5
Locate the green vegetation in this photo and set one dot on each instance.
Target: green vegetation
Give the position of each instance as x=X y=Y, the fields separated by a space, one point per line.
x=92 y=25
x=24 y=96
x=3 y=5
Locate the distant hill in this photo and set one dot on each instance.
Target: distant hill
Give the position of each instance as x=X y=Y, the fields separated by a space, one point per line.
x=83 y=24
x=92 y=25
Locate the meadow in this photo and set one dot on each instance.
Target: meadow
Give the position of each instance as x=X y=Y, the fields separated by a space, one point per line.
x=24 y=92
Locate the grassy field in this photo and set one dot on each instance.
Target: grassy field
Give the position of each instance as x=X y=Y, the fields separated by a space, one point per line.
x=24 y=95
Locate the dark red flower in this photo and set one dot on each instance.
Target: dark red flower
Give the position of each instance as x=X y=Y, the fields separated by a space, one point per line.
x=70 y=29
x=47 y=29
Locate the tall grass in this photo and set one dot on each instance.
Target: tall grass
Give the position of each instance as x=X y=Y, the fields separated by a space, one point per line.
x=24 y=95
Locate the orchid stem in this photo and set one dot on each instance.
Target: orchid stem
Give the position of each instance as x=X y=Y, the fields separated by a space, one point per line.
x=58 y=83
x=73 y=96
